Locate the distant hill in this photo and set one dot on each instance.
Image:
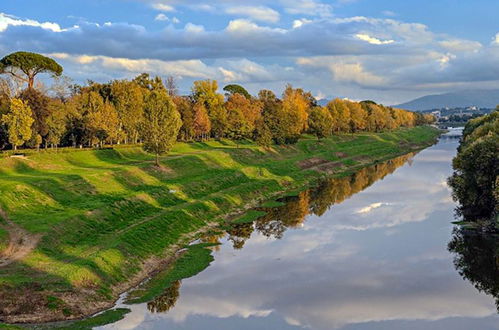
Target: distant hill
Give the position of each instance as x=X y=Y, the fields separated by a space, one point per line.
x=323 y=102
x=479 y=98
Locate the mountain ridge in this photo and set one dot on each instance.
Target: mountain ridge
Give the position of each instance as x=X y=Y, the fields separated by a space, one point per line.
x=482 y=98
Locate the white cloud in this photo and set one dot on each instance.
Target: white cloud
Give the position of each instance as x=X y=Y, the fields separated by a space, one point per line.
x=297 y=23
x=161 y=17
x=372 y=40
x=389 y=13
x=163 y=7
x=307 y=7
x=9 y=20
x=369 y=208
x=257 y=13
x=193 y=28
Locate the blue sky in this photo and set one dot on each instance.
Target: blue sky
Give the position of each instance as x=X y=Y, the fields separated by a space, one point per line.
x=386 y=50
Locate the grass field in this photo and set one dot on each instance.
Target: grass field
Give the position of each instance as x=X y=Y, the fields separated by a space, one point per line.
x=103 y=213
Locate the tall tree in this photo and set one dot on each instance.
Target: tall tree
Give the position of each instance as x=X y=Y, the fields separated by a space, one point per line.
x=205 y=91
x=39 y=104
x=297 y=106
x=56 y=122
x=25 y=66
x=128 y=99
x=161 y=124
x=202 y=123
x=320 y=122
x=236 y=89
x=18 y=121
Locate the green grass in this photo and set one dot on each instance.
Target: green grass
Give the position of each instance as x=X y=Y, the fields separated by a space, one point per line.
x=103 y=212
x=194 y=260
x=249 y=216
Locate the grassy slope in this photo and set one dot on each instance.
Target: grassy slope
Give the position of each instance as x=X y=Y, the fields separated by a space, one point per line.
x=103 y=212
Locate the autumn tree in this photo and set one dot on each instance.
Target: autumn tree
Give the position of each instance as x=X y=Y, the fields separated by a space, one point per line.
x=26 y=66
x=242 y=114
x=202 y=123
x=297 y=106
x=18 y=121
x=320 y=122
x=205 y=92
x=340 y=113
x=128 y=99
x=186 y=110
x=39 y=105
x=161 y=124
x=358 y=117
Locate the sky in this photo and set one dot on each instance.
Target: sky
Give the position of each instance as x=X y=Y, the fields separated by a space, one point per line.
x=390 y=51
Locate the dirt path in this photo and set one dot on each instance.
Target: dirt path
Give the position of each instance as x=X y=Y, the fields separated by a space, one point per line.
x=21 y=242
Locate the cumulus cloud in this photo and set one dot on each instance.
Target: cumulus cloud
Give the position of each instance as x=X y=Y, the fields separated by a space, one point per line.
x=345 y=57
x=372 y=40
x=10 y=20
x=257 y=13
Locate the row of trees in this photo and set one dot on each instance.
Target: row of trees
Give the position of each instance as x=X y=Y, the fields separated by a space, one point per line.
x=151 y=111
x=475 y=182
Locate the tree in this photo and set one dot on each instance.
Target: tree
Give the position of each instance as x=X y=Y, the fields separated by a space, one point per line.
x=358 y=117
x=128 y=99
x=161 y=124
x=39 y=105
x=171 y=86
x=242 y=115
x=26 y=66
x=186 y=110
x=340 y=114
x=237 y=89
x=263 y=134
x=18 y=122
x=202 y=123
x=205 y=91
x=56 y=122
x=320 y=122
x=297 y=106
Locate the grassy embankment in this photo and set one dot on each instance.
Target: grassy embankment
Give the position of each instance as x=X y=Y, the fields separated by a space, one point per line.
x=102 y=213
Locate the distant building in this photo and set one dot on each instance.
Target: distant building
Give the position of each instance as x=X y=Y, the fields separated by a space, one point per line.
x=436 y=113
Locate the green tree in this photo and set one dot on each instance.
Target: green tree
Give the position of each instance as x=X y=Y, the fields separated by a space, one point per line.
x=161 y=124
x=56 y=122
x=320 y=122
x=128 y=99
x=237 y=89
x=26 y=66
x=18 y=121
x=263 y=134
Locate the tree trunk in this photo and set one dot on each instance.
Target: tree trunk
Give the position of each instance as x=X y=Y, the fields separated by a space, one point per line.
x=157 y=160
x=31 y=81
x=15 y=147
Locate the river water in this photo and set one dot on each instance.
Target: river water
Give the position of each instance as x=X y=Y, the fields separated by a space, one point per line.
x=366 y=252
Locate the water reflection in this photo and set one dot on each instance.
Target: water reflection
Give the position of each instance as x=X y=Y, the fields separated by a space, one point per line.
x=477 y=259
x=166 y=301
x=314 y=201
x=351 y=255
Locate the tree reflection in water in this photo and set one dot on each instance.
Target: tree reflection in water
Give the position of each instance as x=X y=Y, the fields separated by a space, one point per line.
x=477 y=259
x=313 y=201
x=291 y=215
x=166 y=301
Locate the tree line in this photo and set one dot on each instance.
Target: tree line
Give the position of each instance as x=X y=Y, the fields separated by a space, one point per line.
x=149 y=110
x=475 y=182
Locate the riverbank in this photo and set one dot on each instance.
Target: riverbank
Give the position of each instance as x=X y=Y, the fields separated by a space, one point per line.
x=107 y=219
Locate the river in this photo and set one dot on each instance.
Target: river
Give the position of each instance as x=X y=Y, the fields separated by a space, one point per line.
x=364 y=252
